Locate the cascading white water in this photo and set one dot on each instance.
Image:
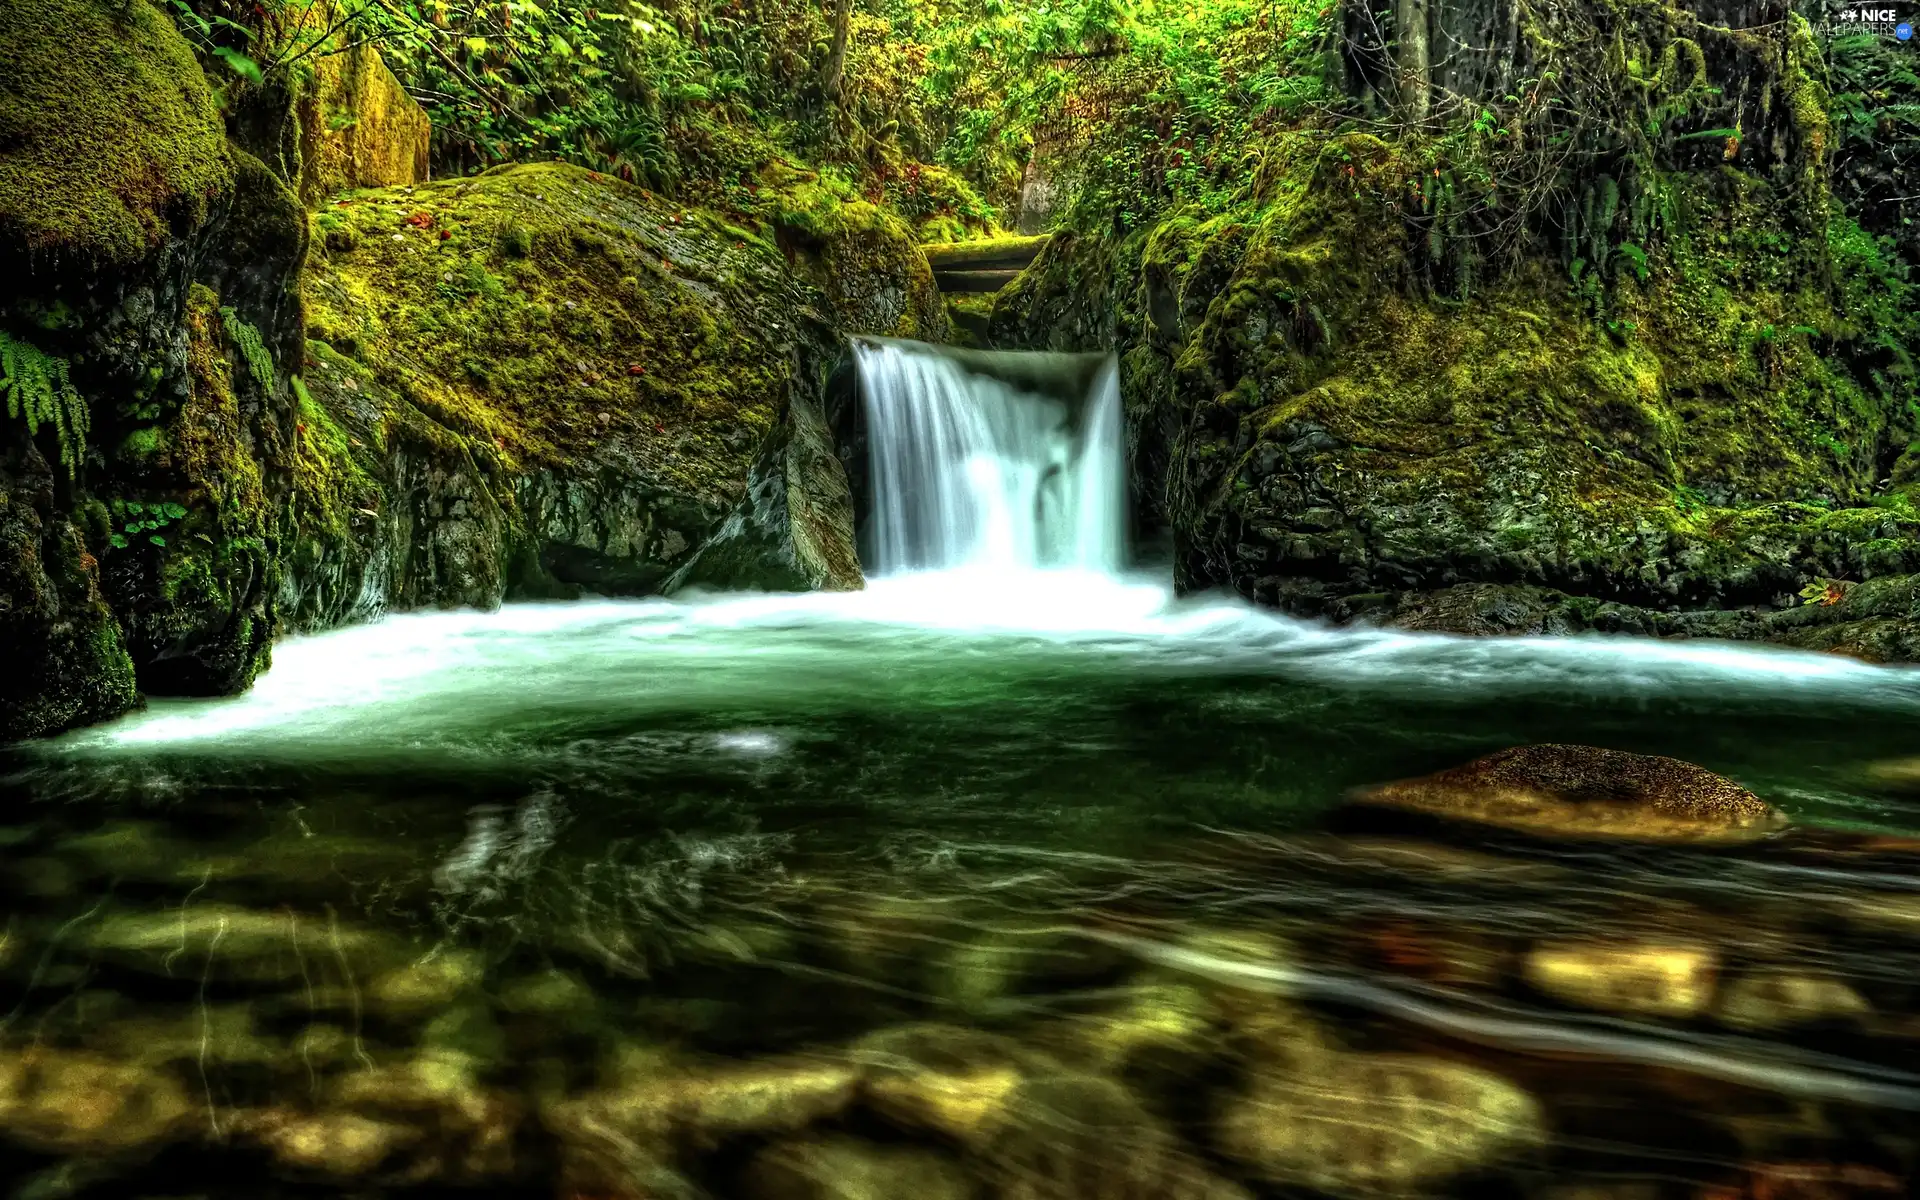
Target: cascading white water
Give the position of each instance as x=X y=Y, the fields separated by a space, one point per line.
x=975 y=465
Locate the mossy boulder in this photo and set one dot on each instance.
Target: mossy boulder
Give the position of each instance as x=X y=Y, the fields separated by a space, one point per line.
x=542 y=381
x=1325 y=432
x=62 y=659
x=153 y=263
x=110 y=140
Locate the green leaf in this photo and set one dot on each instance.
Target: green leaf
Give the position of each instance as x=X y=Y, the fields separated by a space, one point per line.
x=117 y=542
x=157 y=540
x=173 y=511
x=475 y=45
x=239 y=64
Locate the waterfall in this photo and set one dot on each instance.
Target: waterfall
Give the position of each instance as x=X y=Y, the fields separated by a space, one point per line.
x=1003 y=462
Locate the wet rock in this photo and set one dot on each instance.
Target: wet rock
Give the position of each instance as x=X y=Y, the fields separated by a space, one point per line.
x=949 y=1079
x=851 y=1169
x=983 y=974
x=468 y=1127
x=65 y=1102
x=205 y=1035
x=332 y=1143
x=232 y=942
x=551 y=993
x=1644 y=979
x=1164 y=1019
x=425 y=986
x=625 y=1138
x=1376 y=1125
x=794 y=529
x=1773 y=998
x=1073 y=1136
x=1585 y=791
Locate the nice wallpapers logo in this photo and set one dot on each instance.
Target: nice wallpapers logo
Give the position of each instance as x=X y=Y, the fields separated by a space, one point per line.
x=1892 y=23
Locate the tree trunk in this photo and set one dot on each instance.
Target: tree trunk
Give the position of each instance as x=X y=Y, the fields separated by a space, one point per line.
x=1413 y=59
x=836 y=73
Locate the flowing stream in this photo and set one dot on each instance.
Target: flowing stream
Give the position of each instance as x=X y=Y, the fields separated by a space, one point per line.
x=1012 y=875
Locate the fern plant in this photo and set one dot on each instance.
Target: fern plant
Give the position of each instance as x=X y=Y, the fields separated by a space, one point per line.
x=246 y=339
x=37 y=388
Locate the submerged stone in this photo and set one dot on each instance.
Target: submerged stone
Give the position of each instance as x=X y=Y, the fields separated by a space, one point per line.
x=1644 y=979
x=331 y=1143
x=1585 y=791
x=852 y=1169
x=1377 y=1125
x=66 y=1102
x=233 y=942
x=1777 y=998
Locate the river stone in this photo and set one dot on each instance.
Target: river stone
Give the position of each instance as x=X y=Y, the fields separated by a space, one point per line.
x=952 y=1080
x=233 y=942
x=469 y=1128
x=1643 y=979
x=1372 y=1125
x=423 y=988
x=1585 y=791
x=1077 y=1136
x=61 y=1102
x=331 y=1143
x=1773 y=998
x=853 y=1169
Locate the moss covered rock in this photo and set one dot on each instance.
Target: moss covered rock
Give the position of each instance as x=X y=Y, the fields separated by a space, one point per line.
x=1324 y=433
x=542 y=381
x=1585 y=791
x=149 y=266
x=110 y=141
x=359 y=128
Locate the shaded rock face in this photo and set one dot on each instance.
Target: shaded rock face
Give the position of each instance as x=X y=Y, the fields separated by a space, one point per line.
x=1585 y=791
x=544 y=382
x=386 y=142
x=161 y=283
x=795 y=530
x=1320 y=435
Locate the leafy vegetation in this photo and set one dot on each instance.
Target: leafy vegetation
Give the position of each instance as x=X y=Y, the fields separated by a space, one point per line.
x=38 y=390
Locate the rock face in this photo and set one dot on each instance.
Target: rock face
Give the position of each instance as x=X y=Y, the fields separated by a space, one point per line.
x=795 y=530
x=358 y=127
x=150 y=314
x=543 y=381
x=539 y=382
x=1585 y=791
x=1322 y=432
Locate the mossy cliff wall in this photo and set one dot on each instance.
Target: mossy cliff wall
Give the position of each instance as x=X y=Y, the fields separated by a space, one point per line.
x=1727 y=426
x=147 y=274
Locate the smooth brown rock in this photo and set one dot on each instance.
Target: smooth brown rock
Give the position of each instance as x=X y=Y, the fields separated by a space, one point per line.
x=71 y=1103
x=1585 y=791
x=1376 y=1124
x=1777 y=998
x=853 y=1169
x=1644 y=979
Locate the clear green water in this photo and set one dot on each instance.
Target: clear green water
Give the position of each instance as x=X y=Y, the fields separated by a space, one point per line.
x=574 y=865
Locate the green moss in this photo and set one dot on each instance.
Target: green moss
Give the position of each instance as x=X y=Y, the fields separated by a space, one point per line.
x=565 y=312
x=1719 y=432
x=245 y=339
x=109 y=129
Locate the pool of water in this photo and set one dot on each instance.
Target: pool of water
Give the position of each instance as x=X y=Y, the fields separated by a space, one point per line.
x=962 y=886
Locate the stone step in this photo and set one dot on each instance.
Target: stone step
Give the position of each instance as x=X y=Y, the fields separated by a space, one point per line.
x=1007 y=253
x=958 y=282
